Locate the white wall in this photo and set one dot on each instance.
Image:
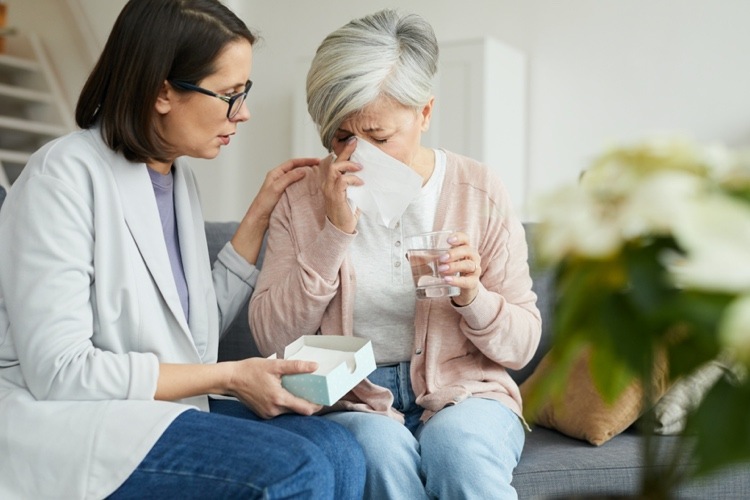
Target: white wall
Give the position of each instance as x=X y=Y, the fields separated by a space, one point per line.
x=611 y=71
x=600 y=72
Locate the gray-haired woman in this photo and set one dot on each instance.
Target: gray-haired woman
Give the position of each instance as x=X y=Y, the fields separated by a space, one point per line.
x=455 y=429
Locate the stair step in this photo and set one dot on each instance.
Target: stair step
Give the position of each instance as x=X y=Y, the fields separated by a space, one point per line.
x=6 y=155
x=34 y=127
x=25 y=94
x=19 y=63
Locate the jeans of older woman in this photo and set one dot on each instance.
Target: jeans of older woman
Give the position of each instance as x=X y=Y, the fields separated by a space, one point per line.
x=233 y=453
x=468 y=450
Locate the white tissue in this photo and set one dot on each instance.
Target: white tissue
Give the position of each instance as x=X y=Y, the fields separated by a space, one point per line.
x=389 y=185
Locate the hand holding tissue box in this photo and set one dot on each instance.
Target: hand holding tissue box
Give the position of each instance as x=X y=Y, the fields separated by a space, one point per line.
x=343 y=362
x=389 y=185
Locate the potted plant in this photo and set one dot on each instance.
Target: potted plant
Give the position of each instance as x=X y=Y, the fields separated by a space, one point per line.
x=651 y=251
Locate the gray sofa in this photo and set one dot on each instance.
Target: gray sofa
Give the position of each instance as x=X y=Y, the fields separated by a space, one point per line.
x=552 y=465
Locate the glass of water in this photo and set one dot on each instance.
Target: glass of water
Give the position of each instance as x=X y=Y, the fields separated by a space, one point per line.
x=424 y=251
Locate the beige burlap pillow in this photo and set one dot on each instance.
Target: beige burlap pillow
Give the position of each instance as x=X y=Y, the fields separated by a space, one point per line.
x=581 y=412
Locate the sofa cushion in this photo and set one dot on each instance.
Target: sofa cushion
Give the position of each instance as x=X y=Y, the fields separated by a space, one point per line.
x=686 y=394
x=556 y=466
x=553 y=464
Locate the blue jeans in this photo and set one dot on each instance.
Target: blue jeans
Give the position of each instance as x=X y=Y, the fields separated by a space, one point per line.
x=467 y=451
x=233 y=453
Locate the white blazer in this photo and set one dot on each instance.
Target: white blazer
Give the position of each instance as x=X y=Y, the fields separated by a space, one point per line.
x=88 y=309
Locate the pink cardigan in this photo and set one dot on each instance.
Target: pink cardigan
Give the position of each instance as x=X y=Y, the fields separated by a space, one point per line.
x=307 y=282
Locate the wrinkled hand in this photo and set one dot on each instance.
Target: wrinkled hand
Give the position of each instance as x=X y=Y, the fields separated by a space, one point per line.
x=335 y=175
x=257 y=383
x=464 y=260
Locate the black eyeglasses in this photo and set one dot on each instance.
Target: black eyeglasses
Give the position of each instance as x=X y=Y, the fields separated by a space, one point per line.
x=235 y=101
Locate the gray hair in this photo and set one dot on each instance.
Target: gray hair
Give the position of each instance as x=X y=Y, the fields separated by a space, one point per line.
x=383 y=54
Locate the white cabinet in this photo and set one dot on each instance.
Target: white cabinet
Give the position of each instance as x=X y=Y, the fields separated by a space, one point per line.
x=481 y=107
x=32 y=108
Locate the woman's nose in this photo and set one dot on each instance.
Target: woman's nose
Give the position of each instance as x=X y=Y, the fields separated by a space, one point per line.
x=243 y=114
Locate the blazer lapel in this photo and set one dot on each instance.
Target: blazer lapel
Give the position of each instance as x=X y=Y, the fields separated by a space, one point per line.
x=143 y=221
x=194 y=251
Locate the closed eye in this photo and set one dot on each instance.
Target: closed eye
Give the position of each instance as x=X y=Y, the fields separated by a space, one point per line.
x=344 y=138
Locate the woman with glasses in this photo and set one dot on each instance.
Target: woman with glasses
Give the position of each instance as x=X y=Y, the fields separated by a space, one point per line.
x=110 y=311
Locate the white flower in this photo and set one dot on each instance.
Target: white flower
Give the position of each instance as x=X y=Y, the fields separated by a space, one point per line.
x=720 y=159
x=658 y=188
x=658 y=203
x=622 y=169
x=613 y=203
x=715 y=235
x=573 y=223
x=734 y=172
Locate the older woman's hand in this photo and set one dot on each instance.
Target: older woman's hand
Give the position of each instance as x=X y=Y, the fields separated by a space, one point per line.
x=335 y=175
x=464 y=260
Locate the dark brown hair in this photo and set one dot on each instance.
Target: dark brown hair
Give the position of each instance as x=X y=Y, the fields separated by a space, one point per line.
x=152 y=41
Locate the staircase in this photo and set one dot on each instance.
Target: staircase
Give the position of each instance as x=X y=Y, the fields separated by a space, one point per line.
x=33 y=110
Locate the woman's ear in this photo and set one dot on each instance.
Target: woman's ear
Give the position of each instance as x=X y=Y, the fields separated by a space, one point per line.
x=164 y=99
x=427 y=114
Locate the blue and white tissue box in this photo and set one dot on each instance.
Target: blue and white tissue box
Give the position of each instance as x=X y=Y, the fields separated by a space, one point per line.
x=343 y=362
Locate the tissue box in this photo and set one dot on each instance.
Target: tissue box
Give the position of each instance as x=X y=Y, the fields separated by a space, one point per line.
x=343 y=363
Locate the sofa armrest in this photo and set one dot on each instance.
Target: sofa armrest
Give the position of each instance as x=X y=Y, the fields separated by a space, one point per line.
x=543 y=280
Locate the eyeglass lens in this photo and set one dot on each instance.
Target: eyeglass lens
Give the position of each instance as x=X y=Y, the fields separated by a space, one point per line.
x=235 y=104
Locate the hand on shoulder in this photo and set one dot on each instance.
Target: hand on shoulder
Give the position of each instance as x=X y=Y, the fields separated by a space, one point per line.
x=249 y=236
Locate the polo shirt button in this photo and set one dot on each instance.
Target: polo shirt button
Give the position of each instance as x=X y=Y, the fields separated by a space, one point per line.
x=418 y=351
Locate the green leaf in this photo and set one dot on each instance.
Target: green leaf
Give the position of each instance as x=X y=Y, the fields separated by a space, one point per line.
x=611 y=377
x=648 y=283
x=686 y=356
x=551 y=387
x=722 y=427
